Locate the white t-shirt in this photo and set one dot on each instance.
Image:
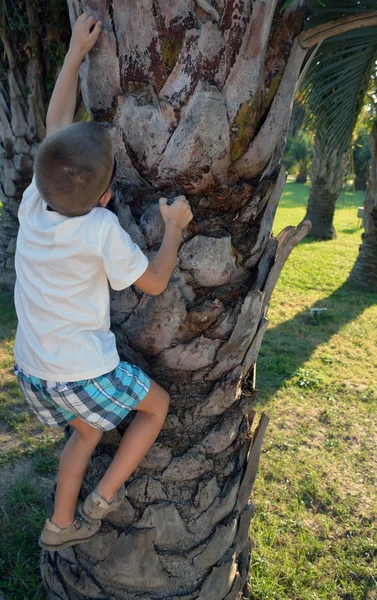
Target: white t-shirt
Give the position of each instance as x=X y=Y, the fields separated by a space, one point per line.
x=63 y=265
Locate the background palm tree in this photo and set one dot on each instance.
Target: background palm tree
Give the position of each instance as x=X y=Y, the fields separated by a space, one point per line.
x=361 y=149
x=197 y=97
x=364 y=272
x=335 y=89
x=298 y=155
x=34 y=36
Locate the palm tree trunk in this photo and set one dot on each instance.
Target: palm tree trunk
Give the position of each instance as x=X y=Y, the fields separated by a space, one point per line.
x=364 y=272
x=22 y=118
x=197 y=100
x=326 y=184
x=302 y=175
x=21 y=130
x=24 y=96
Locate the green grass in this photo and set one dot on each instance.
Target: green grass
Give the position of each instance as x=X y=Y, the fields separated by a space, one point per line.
x=22 y=518
x=314 y=531
x=22 y=508
x=21 y=434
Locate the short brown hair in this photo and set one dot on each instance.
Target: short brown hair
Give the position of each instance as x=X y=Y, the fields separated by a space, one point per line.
x=73 y=166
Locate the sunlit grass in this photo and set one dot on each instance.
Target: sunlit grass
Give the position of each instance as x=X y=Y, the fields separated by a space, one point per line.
x=316 y=504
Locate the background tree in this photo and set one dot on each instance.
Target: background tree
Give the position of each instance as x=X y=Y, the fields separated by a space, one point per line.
x=34 y=36
x=297 y=117
x=197 y=97
x=298 y=156
x=335 y=88
x=364 y=272
x=361 y=149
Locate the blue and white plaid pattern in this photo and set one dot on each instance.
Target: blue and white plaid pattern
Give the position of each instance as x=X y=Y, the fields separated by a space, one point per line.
x=102 y=402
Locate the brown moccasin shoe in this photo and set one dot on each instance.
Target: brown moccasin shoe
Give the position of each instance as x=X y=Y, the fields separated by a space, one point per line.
x=55 y=538
x=95 y=507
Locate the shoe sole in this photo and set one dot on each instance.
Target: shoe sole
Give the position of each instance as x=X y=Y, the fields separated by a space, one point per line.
x=67 y=544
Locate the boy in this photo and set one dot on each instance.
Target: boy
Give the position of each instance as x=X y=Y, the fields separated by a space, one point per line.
x=68 y=248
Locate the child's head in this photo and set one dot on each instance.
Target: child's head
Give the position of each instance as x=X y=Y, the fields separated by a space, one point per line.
x=73 y=168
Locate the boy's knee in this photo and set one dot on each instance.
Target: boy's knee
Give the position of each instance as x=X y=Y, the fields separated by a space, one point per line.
x=92 y=435
x=156 y=403
x=162 y=404
x=166 y=400
x=87 y=433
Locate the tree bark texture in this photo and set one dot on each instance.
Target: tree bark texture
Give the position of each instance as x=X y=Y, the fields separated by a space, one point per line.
x=29 y=57
x=197 y=97
x=21 y=131
x=326 y=184
x=364 y=272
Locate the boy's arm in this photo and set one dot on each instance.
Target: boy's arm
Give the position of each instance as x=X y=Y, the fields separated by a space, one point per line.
x=176 y=217
x=62 y=105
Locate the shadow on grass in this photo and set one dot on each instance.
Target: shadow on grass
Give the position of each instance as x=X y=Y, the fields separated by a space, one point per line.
x=351 y=230
x=288 y=346
x=8 y=319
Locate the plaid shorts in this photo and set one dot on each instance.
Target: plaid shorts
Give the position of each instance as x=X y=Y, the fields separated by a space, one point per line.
x=102 y=402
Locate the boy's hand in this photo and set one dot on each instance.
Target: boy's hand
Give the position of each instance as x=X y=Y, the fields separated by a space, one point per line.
x=84 y=34
x=179 y=212
x=63 y=100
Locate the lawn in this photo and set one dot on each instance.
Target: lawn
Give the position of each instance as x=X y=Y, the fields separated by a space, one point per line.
x=314 y=530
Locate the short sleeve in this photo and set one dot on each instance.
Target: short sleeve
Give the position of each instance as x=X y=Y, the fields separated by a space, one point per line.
x=123 y=260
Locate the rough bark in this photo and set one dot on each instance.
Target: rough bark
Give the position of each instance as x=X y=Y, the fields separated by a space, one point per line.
x=364 y=272
x=326 y=184
x=21 y=130
x=22 y=118
x=25 y=71
x=197 y=97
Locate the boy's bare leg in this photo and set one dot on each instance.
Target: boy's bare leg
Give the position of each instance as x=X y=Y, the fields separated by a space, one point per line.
x=136 y=441
x=73 y=463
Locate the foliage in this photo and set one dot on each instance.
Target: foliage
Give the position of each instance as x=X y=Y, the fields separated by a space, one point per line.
x=340 y=76
x=288 y=2
x=361 y=159
x=361 y=140
x=298 y=153
x=297 y=116
x=34 y=30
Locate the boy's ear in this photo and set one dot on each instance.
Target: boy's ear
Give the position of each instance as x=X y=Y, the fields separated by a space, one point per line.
x=105 y=199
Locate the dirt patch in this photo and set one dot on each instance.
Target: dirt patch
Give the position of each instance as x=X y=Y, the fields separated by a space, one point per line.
x=23 y=469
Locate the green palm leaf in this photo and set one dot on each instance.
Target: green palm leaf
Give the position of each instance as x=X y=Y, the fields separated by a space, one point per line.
x=336 y=83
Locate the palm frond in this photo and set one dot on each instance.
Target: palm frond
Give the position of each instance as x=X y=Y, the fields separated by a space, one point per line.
x=337 y=82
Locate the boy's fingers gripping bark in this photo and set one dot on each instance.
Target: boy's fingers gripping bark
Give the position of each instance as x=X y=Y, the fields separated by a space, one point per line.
x=179 y=212
x=89 y=23
x=82 y=17
x=96 y=31
x=85 y=34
